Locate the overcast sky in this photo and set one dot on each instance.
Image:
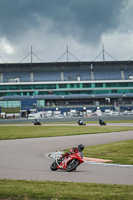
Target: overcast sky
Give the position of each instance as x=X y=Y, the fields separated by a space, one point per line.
x=50 y=26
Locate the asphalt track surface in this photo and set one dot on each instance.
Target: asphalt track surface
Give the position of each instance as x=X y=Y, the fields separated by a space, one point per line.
x=25 y=159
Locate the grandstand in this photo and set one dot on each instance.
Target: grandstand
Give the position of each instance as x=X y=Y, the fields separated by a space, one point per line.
x=67 y=84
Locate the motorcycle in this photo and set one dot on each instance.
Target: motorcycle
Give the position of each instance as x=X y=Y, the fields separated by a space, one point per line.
x=101 y=122
x=69 y=161
x=81 y=123
x=36 y=122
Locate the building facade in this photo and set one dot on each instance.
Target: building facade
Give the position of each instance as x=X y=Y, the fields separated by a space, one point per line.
x=67 y=83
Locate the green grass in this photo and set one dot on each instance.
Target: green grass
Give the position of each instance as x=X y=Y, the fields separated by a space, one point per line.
x=119 y=152
x=19 y=132
x=34 y=190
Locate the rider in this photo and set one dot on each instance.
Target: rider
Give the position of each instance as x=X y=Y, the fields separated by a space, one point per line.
x=80 y=148
x=80 y=122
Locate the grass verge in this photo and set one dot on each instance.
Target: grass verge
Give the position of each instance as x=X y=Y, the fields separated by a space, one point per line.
x=119 y=152
x=33 y=190
x=19 y=132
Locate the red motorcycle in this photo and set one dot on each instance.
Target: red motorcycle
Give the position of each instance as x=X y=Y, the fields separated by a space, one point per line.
x=68 y=161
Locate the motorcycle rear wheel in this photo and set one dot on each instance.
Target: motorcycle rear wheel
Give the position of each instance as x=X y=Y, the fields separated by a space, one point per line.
x=53 y=166
x=72 y=165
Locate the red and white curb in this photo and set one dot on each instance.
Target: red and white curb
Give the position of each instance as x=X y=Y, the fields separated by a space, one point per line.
x=93 y=161
x=96 y=160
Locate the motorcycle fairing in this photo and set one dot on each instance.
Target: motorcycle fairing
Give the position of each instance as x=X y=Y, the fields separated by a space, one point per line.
x=67 y=159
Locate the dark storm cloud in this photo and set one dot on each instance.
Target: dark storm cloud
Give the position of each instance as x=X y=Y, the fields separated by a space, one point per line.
x=84 y=20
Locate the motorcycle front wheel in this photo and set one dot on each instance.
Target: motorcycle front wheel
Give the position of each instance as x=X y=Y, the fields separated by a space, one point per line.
x=53 y=166
x=72 y=165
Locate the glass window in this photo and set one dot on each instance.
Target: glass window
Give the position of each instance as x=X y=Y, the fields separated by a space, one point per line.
x=62 y=86
x=77 y=85
x=130 y=84
x=40 y=103
x=86 y=85
x=122 y=84
x=101 y=91
x=42 y=93
x=98 y=84
x=3 y=104
x=13 y=87
x=72 y=85
x=38 y=86
x=3 y=87
x=26 y=87
x=10 y=104
x=114 y=91
x=111 y=85
x=126 y=84
x=50 y=86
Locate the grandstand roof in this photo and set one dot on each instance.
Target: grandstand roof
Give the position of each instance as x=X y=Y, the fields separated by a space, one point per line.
x=49 y=66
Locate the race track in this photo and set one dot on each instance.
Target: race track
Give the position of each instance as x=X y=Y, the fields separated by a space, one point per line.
x=25 y=159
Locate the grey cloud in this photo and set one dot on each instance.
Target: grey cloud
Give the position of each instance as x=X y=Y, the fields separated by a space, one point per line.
x=84 y=20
